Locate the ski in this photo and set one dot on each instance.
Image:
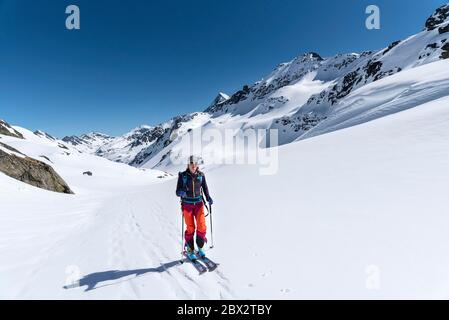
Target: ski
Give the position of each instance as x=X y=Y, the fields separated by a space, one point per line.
x=211 y=265
x=198 y=265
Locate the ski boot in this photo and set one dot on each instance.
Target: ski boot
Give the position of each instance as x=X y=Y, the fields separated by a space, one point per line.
x=201 y=253
x=200 y=241
x=190 y=254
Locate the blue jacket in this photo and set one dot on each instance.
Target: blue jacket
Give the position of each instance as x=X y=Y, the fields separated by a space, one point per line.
x=192 y=184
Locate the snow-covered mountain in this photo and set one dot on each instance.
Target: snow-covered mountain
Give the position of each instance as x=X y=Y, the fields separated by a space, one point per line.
x=42 y=160
x=359 y=207
x=219 y=99
x=309 y=91
x=88 y=142
x=7 y=130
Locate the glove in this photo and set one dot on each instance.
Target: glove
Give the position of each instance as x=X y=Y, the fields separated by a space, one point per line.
x=182 y=194
x=210 y=201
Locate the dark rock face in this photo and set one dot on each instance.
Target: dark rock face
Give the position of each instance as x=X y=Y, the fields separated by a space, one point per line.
x=145 y=136
x=7 y=130
x=391 y=46
x=60 y=145
x=349 y=81
x=443 y=29
x=315 y=56
x=44 y=135
x=163 y=136
x=373 y=68
x=31 y=171
x=10 y=148
x=235 y=98
x=74 y=140
x=46 y=158
x=439 y=16
x=301 y=123
x=432 y=47
x=219 y=100
x=87 y=173
x=445 y=52
x=352 y=79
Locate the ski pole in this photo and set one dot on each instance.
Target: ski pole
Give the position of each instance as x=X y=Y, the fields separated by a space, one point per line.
x=182 y=235
x=211 y=230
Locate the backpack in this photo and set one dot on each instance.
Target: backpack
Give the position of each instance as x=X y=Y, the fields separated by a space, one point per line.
x=184 y=178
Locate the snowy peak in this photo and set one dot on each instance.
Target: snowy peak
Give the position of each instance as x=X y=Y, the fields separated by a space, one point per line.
x=283 y=75
x=45 y=135
x=141 y=134
x=440 y=16
x=88 y=142
x=74 y=140
x=220 y=98
x=118 y=149
x=166 y=133
x=125 y=148
x=7 y=130
x=139 y=130
x=95 y=136
x=223 y=96
x=310 y=56
x=287 y=73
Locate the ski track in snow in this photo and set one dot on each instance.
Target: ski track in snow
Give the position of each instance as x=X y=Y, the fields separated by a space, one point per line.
x=126 y=246
x=180 y=281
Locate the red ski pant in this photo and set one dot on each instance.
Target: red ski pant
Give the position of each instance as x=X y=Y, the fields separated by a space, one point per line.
x=194 y=213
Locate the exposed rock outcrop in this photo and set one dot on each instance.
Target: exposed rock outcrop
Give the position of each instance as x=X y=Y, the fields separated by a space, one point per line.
x=445 y=51
x=43 y=134
x=438 y=17
x=15 y=164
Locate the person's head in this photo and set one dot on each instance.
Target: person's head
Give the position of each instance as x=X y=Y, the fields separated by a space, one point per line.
x=193 y=164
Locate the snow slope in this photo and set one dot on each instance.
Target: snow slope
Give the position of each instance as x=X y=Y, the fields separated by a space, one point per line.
x=368 y=197
x=371 y=195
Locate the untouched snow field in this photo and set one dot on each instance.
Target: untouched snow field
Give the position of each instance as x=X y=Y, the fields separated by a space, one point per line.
x=356 y=213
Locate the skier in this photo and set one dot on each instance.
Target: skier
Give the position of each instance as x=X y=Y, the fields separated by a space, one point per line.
x=191 y=184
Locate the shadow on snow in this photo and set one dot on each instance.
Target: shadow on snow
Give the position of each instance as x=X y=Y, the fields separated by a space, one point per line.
x=91 y=280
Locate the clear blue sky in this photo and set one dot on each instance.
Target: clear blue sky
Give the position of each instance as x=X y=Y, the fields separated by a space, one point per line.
x=141 y=62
